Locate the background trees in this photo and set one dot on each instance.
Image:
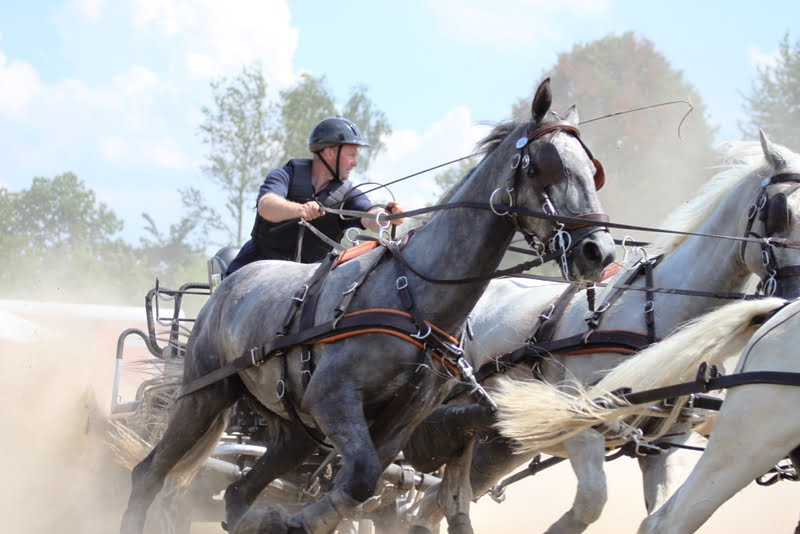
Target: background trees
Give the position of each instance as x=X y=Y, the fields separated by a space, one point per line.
x=774 y=101
x=58 y=240
x=649 y=168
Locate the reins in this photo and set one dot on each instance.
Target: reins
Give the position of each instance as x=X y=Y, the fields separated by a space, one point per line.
x=568 y=221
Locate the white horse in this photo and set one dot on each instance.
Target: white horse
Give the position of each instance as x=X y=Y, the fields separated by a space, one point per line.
x=756 y=428
x=503 y=318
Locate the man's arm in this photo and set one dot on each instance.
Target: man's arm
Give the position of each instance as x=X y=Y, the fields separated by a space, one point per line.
x=276 y=208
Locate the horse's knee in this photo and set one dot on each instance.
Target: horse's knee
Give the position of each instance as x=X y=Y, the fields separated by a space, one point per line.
x=364 y=479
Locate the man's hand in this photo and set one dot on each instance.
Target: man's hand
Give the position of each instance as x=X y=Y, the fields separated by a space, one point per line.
x=310 y=210
x=391 y=208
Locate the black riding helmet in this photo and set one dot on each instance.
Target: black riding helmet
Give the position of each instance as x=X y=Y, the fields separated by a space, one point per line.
x=334 y=131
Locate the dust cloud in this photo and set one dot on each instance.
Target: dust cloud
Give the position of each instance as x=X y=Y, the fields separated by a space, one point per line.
x=58 y=475
x=56 y=376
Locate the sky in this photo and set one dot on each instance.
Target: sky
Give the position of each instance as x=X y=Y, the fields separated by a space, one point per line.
x=113 y=90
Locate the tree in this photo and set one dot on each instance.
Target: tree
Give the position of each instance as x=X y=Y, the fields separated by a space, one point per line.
x=180 y=250
x=649 y=168
x=59 y=242
x=248 y=136
x=302 y=106
x=774 y=102
x=237 y=131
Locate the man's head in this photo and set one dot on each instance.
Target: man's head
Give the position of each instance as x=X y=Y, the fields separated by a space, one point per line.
x=335 y=141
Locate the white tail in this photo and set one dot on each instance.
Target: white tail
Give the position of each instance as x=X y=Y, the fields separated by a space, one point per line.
x=538 y=415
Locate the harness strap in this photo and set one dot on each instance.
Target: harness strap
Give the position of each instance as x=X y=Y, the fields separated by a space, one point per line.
x=545 y=326
x=616 y=341
x=383 y=321
x=594 y=318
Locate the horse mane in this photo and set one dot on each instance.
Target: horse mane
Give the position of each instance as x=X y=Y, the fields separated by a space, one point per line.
x=484 y=147
x=739 y=159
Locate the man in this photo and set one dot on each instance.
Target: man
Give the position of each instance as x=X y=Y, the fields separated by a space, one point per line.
x=298 y=189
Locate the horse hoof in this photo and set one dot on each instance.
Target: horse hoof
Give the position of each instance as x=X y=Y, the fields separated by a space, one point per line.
x=258 y=521
x=419 y=529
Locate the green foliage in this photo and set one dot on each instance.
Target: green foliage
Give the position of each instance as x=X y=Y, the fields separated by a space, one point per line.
x=302 y=106
x=57 y=242
x=187 y=239
x=649 y=167
x=453 y=174
x=237 y=132
x=774 y=102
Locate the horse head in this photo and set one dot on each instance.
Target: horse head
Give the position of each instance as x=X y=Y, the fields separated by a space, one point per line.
x=554 y=169
x=773 y=217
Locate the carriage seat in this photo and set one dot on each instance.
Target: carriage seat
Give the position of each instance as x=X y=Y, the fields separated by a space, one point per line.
x=218 y=264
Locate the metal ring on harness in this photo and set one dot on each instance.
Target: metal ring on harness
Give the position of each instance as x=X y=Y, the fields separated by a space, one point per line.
x=280 y=391
x=491 y=201
x=421 y=336
x=303 y=297
x=353 y=240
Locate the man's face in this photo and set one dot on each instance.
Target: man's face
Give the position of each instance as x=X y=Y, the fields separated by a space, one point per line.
x=348 y=160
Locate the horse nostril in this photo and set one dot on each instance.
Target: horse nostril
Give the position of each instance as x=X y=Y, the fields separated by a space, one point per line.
x=591 y=251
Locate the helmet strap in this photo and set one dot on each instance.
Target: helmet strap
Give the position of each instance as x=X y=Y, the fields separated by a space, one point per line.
x=334 y=173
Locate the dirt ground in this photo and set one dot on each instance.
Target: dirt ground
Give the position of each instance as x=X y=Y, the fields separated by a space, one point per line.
x=60 y=478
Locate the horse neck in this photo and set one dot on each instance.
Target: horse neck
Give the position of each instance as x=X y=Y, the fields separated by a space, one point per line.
x=707 y=263
x=460 y=243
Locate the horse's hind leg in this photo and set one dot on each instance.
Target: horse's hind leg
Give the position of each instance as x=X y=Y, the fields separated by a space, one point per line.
x=196 y=423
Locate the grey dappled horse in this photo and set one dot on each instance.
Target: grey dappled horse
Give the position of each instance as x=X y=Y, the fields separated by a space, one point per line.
x=503 y=319
x=367 y=393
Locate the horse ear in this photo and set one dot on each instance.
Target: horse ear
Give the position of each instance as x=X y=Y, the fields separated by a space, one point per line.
x=572 y=115
x=541 y=101
x=771 y=154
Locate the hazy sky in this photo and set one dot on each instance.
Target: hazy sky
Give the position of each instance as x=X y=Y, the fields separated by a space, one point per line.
x=113 y=90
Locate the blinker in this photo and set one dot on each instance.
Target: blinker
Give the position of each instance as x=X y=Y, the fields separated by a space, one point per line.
x=599 y=175
x=778 y=216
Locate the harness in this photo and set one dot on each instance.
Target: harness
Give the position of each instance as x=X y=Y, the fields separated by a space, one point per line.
x=404 y=324
x=773 y=213
x=520 y=164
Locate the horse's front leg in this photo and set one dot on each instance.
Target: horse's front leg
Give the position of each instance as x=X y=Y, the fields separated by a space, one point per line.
x=455 y=491
x=340 y=416
x=586 y=453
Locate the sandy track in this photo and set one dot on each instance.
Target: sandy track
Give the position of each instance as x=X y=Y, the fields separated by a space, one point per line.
x=60 y=477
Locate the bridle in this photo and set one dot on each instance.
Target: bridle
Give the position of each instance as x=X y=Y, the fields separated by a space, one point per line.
x=563 y=236
x=773 y=212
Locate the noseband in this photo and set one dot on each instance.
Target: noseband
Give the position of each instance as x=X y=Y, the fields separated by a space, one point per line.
x=774 y=216
x=563 y=237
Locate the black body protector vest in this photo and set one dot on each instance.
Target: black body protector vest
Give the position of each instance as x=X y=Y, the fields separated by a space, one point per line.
x=280 y=240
